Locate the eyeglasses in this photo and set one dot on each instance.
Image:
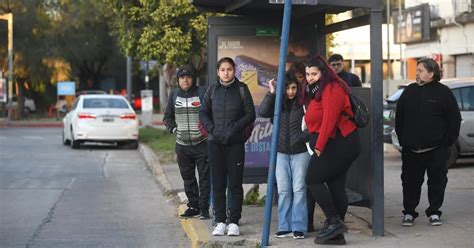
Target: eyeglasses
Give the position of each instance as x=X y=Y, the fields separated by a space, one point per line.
x=336 y=64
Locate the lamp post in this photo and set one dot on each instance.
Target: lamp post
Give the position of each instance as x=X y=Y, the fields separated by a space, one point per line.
x=9 y=18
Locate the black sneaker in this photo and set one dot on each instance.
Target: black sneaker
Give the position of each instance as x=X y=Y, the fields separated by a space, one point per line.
x=204 y=214
x=408 y=220
x=298 y=235
x=190 y=213
x=282 y=234
x=434 y=220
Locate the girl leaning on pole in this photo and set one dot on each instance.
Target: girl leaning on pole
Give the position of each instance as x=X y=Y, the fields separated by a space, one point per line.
x=292 y=159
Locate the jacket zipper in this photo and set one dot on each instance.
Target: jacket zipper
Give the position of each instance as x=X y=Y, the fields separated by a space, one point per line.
x=288 y=136
x=187 y=116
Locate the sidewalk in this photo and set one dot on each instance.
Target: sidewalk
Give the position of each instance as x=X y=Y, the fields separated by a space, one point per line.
x=456 y=231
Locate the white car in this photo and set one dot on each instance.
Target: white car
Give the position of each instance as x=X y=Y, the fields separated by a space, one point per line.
x=101 y=118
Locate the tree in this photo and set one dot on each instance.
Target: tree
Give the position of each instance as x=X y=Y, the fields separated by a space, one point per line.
x=170 y=32
x=29 y=21
x=60 y=39
x=83 y=38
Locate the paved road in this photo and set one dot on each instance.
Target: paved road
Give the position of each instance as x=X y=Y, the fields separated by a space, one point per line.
x=53 y=196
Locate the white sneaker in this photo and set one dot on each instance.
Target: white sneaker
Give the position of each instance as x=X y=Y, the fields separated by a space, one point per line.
x=233 y=230
x=219 y=229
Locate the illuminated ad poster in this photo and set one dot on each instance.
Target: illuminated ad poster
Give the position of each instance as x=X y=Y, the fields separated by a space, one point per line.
x=256 y=59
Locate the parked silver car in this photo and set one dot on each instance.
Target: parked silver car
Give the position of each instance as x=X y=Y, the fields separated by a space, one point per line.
x=463 y=90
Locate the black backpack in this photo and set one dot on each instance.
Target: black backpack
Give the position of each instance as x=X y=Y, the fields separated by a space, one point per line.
x=361 y=112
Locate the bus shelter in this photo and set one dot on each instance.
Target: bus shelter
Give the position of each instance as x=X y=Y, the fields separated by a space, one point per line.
x=252 y=34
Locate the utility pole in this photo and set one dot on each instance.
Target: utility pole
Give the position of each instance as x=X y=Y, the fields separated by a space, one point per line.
x=402 y=63
x=129 y=78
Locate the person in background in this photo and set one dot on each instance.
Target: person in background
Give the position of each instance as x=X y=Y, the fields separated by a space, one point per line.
x=335 y=140
x=337 y=63
x=427 y=123
x=298 y=70
x=182 y=118
x=226 y=111
x=292 y=159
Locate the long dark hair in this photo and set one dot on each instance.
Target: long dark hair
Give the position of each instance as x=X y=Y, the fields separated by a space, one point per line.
x=299 y=67
x=291 y=79
x=328 y=76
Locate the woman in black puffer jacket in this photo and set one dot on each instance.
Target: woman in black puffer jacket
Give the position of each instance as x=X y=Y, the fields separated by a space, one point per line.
x=226 y=112
x=292 y=159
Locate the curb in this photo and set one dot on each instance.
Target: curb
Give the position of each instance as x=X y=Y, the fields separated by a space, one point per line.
x=156 y=169
x=195 y=229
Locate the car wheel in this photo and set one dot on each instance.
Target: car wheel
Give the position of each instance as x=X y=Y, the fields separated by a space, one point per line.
x=133 y=144
x=453 y=155
x=66 y=142
x=74 y=143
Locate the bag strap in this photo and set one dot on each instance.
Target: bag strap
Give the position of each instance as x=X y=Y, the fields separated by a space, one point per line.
x=175 y=95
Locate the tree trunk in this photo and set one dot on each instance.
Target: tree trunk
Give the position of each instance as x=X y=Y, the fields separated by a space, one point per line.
x=167 y=84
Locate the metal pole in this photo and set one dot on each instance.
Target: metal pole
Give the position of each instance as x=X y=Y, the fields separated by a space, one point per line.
x=402 y=63
x=388 y=42
x=129 y=78
x=377 y=128
x=276 y=121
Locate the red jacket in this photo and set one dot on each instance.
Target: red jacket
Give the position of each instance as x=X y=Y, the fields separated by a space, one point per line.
x=325 y=116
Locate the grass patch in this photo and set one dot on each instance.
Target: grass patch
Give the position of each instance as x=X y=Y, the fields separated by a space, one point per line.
x=161 y=142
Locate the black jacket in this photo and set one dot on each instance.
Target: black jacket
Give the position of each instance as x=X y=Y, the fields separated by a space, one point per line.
x=351 y=79
x=427 y=116
x=292 y=139
x=225 y=114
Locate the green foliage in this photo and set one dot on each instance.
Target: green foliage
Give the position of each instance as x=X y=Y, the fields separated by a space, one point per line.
x=167 y=31
x=160 y=141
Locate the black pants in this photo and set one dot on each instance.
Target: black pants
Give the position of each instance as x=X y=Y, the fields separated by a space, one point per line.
x=227 y=163
x=311 y=203
x=326 y=176
x=190 y=157
x=414 y=165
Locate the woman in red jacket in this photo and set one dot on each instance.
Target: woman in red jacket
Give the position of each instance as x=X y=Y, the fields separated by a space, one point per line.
x=336 y=145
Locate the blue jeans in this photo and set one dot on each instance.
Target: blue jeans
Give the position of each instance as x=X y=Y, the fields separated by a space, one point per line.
x=290 y=176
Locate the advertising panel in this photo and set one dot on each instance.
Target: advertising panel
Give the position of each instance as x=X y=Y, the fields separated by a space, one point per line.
x=413 y=25
x=66 y=88
x=256 y=59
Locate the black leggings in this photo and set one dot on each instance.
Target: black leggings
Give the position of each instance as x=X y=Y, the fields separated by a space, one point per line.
x=326 y=176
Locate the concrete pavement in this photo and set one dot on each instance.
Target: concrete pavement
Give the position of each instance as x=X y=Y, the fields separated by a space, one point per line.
x=456 y=231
